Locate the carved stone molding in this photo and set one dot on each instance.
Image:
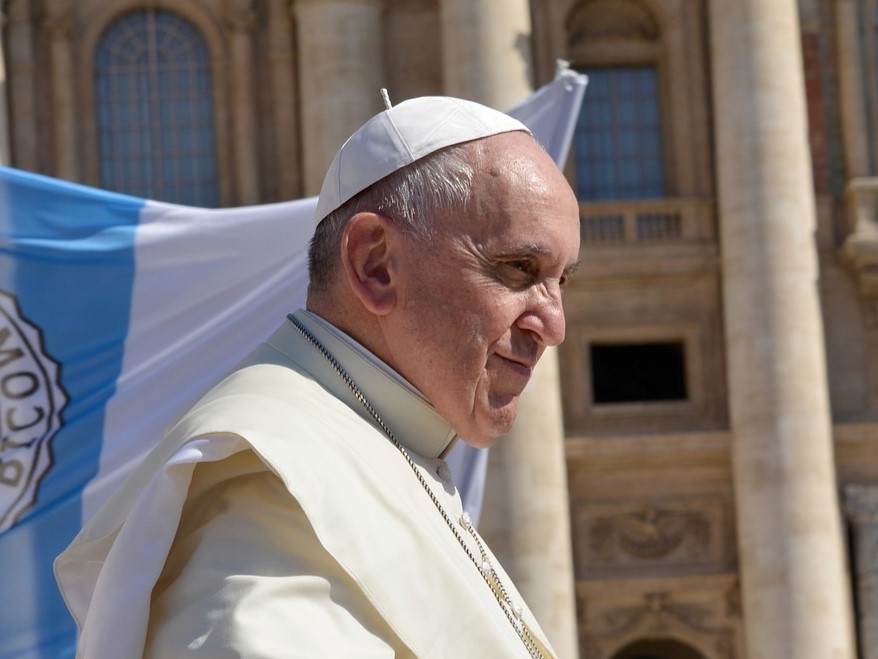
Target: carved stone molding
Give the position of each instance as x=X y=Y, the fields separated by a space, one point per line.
x=240 y=16
x=611 y=19
x=700 y=618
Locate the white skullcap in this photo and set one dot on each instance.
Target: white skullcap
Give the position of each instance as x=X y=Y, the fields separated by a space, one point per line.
x=401 y=135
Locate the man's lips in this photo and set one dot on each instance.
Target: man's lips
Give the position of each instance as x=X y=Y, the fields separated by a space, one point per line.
x=520 y=365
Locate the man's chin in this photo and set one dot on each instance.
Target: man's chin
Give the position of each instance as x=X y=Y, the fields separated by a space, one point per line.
x=504 y=418
x=490 y=422
x=486 y=437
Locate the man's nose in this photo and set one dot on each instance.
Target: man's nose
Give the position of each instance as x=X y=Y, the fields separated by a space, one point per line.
x=544 y=315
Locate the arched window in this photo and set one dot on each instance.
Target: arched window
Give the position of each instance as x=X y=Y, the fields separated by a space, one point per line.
x=154 y=98
x=618 y=147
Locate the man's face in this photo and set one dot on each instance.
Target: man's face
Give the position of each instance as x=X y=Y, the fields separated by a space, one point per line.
x=481 y=302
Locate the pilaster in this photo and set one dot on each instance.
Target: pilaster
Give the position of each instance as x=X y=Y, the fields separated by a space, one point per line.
x=850 y=86
x=284 y=102
x=241 y=23
x=21 y=84
x=59 y=25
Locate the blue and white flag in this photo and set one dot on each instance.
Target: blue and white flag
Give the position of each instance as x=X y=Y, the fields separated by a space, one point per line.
x=116 y=314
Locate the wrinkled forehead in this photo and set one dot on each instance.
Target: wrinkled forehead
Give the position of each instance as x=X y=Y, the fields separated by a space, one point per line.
x=513 y=168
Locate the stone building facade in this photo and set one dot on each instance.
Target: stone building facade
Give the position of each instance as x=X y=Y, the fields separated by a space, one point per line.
x=695 y=473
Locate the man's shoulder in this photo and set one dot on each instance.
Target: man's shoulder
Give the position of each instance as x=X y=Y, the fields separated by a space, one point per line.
x=266 y=394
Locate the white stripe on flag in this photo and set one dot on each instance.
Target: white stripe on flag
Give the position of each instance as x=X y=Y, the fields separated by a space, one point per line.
x=210 y=285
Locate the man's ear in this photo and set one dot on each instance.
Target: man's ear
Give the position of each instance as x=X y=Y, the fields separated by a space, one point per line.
x=368 y=259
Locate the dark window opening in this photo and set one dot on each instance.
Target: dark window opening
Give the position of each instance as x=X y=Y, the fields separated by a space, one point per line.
x=658 y=649
x=638 y=372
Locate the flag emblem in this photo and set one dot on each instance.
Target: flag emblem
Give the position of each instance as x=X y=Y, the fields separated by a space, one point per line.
x=31 y=401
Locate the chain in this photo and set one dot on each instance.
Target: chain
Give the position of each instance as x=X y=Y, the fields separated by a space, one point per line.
x=485 y=568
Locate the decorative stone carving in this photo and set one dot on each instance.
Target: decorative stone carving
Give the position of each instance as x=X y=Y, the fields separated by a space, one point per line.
x=651 y=533
x=682 y=533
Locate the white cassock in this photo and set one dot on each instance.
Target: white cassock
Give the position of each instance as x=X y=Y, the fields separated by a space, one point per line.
x=278 y=519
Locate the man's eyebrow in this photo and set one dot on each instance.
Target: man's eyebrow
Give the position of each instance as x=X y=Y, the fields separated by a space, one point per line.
x=539 y=250
x=527 y=250
x=532 y=249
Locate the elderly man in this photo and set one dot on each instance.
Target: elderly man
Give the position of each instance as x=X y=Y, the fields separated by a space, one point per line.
x=304 y=504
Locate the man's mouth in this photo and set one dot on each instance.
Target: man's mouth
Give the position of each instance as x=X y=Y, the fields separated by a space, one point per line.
x=520 y=365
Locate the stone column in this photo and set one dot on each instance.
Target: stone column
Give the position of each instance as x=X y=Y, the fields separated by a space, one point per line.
x=283 y=99
x=795 y=590
x=526 y=519
x=341 y=73
x=861 y=503
x=58 y=25
x=241 y=21
x=22 y=79
x=486 y=52
x=850 y=88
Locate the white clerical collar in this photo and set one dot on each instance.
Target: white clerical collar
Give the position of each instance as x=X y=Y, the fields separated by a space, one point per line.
x=414 y=422
x=365 y=353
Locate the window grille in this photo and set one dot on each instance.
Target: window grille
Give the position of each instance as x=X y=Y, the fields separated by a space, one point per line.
x=617 y=142
x=155 y=114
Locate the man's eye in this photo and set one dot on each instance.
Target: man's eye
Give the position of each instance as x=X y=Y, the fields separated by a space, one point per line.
x=519 y=273
x=525 y=267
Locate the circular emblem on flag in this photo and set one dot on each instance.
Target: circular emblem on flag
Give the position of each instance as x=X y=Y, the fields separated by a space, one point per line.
x=31 y=400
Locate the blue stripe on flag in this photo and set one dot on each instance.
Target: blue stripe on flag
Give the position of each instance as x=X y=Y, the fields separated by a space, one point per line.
x=66 y=275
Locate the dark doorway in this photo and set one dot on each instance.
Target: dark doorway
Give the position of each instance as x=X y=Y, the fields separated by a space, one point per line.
x=658 y=649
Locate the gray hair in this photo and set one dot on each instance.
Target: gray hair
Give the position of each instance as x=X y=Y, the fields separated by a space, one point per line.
x=411 y=197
